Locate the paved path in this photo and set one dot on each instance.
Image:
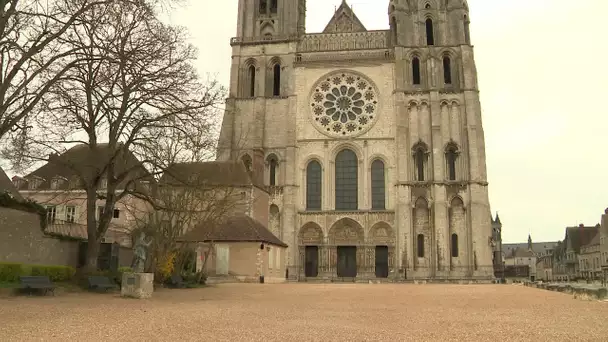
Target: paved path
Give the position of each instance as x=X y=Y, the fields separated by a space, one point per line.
x=310 y=312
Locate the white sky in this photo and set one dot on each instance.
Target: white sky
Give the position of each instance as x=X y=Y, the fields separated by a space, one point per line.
x=543 y=75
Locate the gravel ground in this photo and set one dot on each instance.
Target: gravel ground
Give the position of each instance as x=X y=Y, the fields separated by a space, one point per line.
x=310 y=312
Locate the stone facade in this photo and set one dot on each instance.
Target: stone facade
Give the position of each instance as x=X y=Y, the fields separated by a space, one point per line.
x=604 y=245
x=402 y=104
x=22 y=241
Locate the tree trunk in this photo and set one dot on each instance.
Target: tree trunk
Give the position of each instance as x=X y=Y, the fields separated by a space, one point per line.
x=93 y=242
x=92 y=255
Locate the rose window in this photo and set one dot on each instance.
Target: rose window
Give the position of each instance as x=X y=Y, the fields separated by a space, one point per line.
x=344 y=104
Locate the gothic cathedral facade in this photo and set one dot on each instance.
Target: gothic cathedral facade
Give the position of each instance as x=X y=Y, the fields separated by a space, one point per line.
x=370 y=142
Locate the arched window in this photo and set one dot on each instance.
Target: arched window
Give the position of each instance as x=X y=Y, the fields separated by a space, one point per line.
x=263 y=6
x=447 y=70
x=378 y=185
x=346 y=180
x=420 y=245
x=419 y=157
x=451 y=154
x=246 y=159
x=276 y=80
x=430 y=34
x=272 y=165
x=273 y=6
x=313 y=186
x=454 y=245
x=467 y=32
x=416 y=70
x=252 y=80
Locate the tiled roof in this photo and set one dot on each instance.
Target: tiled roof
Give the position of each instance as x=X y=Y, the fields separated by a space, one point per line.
x=81 y=160
x=228 y=173
x=6 y=185
x=237 y=228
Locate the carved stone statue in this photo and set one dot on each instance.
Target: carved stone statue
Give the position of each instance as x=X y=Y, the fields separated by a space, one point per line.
x=140 y=253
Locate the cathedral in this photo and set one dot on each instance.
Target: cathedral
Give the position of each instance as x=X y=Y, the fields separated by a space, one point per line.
x=369 y=142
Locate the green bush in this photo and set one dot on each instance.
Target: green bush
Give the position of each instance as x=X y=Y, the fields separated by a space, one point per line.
x=10 y=272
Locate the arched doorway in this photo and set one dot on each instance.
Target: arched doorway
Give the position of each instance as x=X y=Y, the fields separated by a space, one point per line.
x=310 y=239
x=346 y=238
x=382 y=237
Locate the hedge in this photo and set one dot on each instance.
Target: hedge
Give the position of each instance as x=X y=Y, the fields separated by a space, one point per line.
x=10 y=272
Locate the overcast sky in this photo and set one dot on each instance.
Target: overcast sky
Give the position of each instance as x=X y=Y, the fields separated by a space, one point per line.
x=543 y=78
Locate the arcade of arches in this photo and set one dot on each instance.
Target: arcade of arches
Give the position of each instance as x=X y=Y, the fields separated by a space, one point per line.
x=346 y=251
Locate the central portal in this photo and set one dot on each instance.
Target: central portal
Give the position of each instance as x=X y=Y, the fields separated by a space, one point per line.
x=347 y=261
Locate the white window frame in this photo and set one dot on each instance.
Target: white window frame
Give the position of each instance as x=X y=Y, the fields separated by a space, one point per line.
x=70 y=212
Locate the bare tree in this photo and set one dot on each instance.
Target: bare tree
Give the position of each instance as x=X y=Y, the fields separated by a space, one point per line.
x=177 y=207
x=134 y=88
x=32 y=57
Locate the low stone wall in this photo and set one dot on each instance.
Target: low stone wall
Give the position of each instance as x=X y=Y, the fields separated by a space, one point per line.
x=22 y=241
x=580 y=291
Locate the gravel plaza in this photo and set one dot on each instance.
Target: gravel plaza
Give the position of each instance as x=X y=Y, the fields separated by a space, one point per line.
x=309 y=312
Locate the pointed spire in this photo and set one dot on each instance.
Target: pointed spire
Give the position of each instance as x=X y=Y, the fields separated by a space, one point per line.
x=529 y=242
x=497 y=220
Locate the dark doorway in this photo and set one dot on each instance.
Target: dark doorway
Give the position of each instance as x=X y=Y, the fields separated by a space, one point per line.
x=347 y=261
x=311 y=261
x=381 y=261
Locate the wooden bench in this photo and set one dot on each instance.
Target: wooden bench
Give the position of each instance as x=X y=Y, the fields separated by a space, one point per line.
x=37 y=283
x=100 y=283
x=176 y=281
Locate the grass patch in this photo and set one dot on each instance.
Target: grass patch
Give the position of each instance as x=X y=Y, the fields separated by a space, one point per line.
x=7 y=285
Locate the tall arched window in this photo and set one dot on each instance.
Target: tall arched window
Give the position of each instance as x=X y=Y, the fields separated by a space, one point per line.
x=451 y=154
x=430 y=34
x=276 y=80
x=378 y=185
x=454 y=245
x=272 y=170
x=416 y=70
x=263 y=6
x=273 y=6
x=251 y=73
x=313 y=186
x=420 y=245
x=346 y=180
x=419 y=156
x=447 y=70
x=467 y=32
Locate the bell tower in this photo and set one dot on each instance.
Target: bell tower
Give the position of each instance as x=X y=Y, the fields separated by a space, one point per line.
x=270 y=18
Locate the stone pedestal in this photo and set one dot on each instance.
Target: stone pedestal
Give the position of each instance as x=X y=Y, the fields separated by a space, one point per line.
x=137 y=285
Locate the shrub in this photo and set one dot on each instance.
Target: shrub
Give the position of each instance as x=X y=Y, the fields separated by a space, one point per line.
x=10 y=272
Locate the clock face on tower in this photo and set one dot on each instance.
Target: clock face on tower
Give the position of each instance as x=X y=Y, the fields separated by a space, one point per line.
x=344 y=104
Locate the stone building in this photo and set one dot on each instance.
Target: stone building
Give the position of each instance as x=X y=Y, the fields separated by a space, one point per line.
x=497 y=259
x=566 y=256
x=371 y=142
x=604 y=246
x=589 y=259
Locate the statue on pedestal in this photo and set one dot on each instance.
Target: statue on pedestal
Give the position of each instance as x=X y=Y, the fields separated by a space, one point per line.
x=140 y=253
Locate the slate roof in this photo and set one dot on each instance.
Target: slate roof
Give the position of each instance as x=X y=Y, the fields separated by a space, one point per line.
x=537 y=247
x=80 y=159
x=222 y=173
x=237 y=228
x=580 y=236
x=6 y=185
x=595 y=241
